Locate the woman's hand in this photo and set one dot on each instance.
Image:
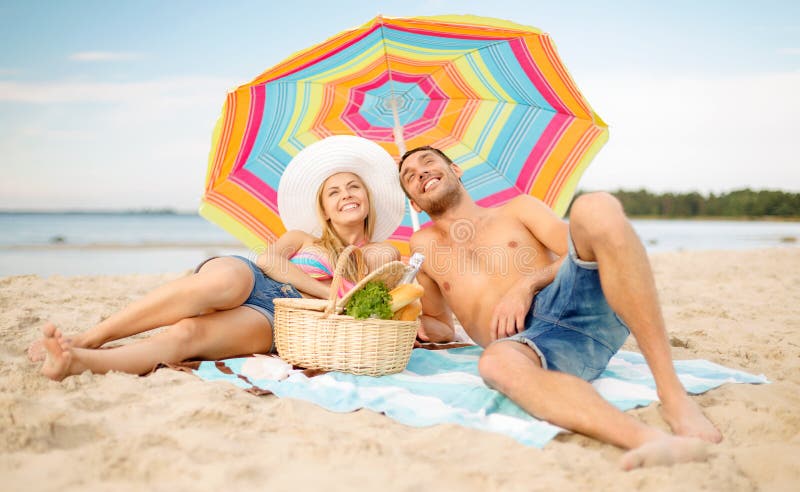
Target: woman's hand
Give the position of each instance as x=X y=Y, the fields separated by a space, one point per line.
x=274 y=262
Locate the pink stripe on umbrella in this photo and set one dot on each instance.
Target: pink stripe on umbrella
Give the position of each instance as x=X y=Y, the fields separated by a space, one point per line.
x=542 y=149
x=258 y=96
x=256 y=186
x=529 y=66
x=430 y=32
x=499 y=198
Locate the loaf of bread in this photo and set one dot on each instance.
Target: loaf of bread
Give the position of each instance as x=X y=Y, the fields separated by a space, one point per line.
x=405 y=294
x=410 y=312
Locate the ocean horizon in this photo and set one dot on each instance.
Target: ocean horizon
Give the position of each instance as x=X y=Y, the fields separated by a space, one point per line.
x=94 y=243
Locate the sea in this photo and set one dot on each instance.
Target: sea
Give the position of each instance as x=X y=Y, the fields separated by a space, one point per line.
x=142 y=243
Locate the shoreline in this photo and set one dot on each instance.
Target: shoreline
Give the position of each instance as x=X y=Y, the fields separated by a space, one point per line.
x=99 y=261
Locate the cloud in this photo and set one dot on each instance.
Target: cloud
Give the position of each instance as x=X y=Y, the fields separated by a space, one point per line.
x=145 y=144
x=104 y=56
x=174 y=90
x=789 y=51
x=4 y=72
x=691 y=133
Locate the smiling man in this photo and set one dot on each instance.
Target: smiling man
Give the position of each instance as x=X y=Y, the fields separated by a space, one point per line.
x=551 y=303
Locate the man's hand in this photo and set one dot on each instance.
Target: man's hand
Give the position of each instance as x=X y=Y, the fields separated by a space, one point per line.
x=508 y=317
x=434 y=330
x=422 y=336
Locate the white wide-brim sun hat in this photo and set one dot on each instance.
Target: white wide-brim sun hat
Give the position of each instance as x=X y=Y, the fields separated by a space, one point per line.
x=297 y=190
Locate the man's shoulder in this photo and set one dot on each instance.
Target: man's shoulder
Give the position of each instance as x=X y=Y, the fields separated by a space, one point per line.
x=525 y=208
x=524 y=202
x=421 y=238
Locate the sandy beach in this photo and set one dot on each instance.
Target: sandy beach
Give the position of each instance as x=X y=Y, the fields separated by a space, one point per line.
x=171 y=431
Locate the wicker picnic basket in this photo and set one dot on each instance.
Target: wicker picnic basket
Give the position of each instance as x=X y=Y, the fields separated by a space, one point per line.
x=311 y=333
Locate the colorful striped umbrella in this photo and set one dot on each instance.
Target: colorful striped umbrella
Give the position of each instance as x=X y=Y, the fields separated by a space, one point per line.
x=492 y=94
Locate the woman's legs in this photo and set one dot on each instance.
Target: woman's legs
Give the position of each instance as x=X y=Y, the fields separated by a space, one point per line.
x=222 y=283
x=212 y=336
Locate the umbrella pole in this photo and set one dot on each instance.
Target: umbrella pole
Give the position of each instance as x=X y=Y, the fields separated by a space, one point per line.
x=401 y=149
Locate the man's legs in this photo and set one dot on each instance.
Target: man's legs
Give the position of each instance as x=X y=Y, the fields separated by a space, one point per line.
x=602 y=233
x=514 y=369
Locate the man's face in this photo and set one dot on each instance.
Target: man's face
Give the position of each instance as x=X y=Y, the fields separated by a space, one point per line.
x=432 y=184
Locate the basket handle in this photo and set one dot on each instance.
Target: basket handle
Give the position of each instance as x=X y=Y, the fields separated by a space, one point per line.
x=338 y=274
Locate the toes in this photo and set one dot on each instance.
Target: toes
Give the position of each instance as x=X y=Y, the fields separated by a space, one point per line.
x=630 y=460
x=667 y=451
x=57 y=361
x=49 y=329
x=36 y=351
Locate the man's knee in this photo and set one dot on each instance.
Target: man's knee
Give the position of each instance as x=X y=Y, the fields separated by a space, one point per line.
x=490 y=366
x=501 y=362
x=599 y=215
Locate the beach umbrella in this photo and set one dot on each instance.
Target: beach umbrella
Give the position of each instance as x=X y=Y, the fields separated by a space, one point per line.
x=492 y=94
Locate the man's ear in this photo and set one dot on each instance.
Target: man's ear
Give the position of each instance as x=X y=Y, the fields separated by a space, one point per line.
x=457 y=170
x=415 y=206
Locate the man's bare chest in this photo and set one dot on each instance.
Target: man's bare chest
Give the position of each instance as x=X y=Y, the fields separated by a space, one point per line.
x=484 y=248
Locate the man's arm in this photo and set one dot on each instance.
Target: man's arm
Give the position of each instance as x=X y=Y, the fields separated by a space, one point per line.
x=541 y=222
x=436 y=322
x=509 y=314
x=548 y=229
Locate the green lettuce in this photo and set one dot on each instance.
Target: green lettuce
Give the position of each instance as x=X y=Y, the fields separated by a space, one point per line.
x=372 y=301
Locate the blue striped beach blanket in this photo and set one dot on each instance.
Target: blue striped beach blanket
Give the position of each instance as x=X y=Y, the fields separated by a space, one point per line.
x=443 y=386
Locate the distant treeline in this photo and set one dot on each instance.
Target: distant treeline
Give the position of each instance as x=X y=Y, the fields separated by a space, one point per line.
x=738 y=203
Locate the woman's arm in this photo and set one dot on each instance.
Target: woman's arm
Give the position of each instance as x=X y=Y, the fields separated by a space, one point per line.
x=274 y=262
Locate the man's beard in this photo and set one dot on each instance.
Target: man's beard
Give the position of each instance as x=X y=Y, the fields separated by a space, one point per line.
x=441 y=205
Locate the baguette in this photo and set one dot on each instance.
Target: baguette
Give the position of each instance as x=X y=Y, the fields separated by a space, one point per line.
x=405 y=294
x=410 y=312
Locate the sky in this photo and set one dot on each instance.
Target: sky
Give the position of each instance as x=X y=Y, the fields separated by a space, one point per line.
x=111 y=104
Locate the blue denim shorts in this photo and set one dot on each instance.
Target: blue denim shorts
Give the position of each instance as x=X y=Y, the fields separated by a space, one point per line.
x=570 y=325
x=265 y=289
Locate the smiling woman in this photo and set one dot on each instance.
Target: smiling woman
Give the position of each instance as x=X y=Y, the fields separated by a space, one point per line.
x=353 y=180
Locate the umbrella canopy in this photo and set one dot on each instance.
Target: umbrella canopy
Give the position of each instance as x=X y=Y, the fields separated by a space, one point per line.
x=492 y=94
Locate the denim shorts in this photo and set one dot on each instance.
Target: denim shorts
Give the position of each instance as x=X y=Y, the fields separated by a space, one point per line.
x=265 y=289
x=570 y=325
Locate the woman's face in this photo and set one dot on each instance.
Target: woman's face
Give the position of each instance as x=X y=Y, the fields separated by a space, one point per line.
x=344 y=199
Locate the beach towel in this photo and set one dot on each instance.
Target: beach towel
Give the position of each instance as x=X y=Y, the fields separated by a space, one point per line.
x=443 y=386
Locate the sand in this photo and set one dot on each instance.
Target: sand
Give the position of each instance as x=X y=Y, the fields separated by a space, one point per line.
x=171 y=431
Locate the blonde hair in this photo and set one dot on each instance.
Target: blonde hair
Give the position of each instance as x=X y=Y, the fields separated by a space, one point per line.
x=333 y=244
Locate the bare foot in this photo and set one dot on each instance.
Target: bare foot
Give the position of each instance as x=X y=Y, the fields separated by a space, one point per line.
x=668 y=450
x=37 y=352
x=686 y=419
x=57 y=354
